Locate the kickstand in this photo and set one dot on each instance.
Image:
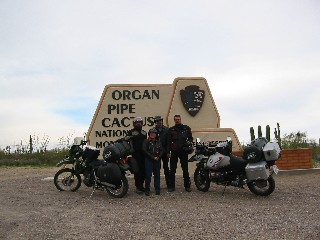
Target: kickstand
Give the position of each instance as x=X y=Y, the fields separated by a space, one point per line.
x=94 y=188
x=95 y=185
x=225 y=186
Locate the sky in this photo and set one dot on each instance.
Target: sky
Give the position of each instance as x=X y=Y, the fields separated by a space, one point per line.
x=260 y=58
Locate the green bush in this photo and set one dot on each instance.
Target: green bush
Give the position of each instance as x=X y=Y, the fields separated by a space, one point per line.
x=48 y=158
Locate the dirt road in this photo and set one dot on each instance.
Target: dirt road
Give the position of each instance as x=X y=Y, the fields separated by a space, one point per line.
x=32 y=208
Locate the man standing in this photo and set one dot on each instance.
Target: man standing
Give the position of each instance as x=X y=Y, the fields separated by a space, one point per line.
x=137 y=137
x=162 y=132
x=178 y=137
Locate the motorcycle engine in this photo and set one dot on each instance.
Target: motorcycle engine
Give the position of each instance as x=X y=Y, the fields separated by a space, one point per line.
x=218 y=176
x=88 y=180
x=222 y=177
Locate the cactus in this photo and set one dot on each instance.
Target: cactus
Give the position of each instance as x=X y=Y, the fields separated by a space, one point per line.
x=268 y=133
x=276 y=133
x=259 y=131
x=252 y=134
x=30 y=145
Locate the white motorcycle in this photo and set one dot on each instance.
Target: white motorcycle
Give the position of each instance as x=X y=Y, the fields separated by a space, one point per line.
x=255 y=169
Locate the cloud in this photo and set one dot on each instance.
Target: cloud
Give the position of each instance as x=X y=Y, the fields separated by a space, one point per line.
x=261 y=59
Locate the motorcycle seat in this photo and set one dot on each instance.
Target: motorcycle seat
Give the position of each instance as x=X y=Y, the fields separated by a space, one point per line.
x=97 y=163
x=237 y=163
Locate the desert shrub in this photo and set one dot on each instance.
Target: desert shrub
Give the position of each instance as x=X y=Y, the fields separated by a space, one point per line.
x=47 y=158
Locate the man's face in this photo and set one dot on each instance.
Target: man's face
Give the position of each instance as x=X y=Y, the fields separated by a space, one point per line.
x=158 y=123
x=137 y=124
x=177 y=120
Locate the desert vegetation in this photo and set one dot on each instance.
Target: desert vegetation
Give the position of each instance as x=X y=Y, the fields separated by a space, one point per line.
x=36 y=151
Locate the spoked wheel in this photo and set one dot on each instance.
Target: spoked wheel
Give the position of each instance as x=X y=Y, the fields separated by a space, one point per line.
x=121 y=190
x=67 y=180
x=201 y=179
x=262 y=187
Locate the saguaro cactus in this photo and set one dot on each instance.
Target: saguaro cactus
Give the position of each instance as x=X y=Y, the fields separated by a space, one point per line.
x=30 y=145
x=277 y=133
x=268 y=133
x=252 y=134
x=259 y=131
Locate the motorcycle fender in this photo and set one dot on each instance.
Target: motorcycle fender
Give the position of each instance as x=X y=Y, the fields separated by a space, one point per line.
x=124 y=166
x=65 y=161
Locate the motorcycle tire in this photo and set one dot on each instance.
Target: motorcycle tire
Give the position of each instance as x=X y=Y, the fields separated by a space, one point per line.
x=67 y=180
x=262 y=187
x=201 y=179
x=121 y=190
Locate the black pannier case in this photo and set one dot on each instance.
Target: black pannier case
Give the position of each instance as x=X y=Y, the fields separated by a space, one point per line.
x=117 y=150
x=110 y=173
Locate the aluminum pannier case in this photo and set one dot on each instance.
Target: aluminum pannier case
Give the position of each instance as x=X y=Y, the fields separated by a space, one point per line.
x=271 y=151
x=257 y=171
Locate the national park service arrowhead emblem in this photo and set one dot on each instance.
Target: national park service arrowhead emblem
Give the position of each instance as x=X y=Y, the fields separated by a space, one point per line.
x=192 y=98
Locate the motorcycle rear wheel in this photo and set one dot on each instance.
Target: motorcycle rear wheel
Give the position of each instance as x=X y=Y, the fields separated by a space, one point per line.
x=201 y=179
x=262 y=187
x=67 y=180
x=120 y=191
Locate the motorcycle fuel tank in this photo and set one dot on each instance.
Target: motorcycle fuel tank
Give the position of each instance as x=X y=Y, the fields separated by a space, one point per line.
x=217 y=161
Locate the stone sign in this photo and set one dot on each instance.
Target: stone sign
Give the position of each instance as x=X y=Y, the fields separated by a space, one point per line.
x=189 y=97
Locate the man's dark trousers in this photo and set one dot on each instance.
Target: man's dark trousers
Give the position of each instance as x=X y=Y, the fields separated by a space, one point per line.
x=183 y=156
x=165 y=163
x=140 y=176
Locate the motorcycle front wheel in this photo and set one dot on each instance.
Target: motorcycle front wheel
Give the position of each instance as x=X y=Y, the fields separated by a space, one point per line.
x=201 y=179
x=67 y=180
x=121 y=190
x=262 y=187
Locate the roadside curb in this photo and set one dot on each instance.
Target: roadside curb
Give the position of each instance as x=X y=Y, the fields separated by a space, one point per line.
x=299 y=171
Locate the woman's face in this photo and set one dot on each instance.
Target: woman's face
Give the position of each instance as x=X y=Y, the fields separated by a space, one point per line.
x=153 y=135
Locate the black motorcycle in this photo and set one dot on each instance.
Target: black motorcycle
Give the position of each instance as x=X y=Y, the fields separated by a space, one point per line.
x=255 y=169
x=108 y=174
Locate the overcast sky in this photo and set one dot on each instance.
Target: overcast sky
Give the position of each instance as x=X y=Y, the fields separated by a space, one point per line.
x=260 y=58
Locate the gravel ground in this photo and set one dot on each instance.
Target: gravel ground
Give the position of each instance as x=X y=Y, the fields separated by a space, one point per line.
x=32 y=208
